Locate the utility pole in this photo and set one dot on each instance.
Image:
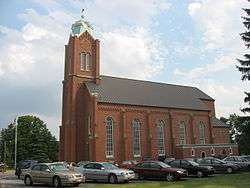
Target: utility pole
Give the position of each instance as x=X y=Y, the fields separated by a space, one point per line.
x=15 y=140
x=4 y=152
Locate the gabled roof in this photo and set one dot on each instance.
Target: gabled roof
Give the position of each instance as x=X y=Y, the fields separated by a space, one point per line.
x=218 y=123
x=146 y=93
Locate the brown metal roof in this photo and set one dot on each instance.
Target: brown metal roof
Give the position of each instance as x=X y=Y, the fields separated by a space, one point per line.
x=146 y=93
x=218 y=123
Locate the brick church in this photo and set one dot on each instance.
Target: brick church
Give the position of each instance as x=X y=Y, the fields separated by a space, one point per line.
x=107 y=118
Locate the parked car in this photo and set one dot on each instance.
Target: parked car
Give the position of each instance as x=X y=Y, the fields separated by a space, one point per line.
x=24 y=164
x=247 y=157
x=82 y=163
x=219 y=165
x=55 y=174
x=238 y=160
x=128 y=164
x=192 y=167
x=3 y=167
x=105 y=171
x=158 y=169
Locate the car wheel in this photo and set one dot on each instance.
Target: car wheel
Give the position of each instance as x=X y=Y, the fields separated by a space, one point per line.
x=57 y=182
x=170 y=177
x=140 y=177
x=76 y=184
x=229 y=170
x=28 y=181
x=200 y=174
x=112 y=179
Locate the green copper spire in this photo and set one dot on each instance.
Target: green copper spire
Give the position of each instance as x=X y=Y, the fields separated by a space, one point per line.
x=80 y=27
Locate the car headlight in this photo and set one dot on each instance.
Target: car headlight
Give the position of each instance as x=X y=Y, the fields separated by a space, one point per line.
x=180 y=172
x=69 y=176
x=124 y=173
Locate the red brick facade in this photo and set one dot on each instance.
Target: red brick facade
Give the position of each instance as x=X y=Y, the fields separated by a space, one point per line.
x=83 y=130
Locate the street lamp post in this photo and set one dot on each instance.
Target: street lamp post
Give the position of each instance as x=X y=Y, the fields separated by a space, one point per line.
x=15 y=141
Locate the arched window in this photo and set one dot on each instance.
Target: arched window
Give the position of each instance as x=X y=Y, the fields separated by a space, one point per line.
x=109 y=138
x=202 y=132
x=85 y=61
x=182 y=133
x=160 y=138
x=230 y=151
x=192 y=152
x=212 y=152
x=203 y=154
x=136 y=138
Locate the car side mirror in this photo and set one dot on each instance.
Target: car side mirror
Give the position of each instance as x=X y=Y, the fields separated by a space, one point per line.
x=47 y=170
x=102 y=168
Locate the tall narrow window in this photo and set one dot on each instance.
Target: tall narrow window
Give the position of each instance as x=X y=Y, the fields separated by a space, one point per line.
x=160 y=138
x=202 y=132
x=109 y=138
x=85 y=62
x=136 y=138
x=89 y=125
x=88 y=60
x=182 y=133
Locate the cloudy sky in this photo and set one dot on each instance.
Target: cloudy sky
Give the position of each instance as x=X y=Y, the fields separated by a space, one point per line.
x=190 y=42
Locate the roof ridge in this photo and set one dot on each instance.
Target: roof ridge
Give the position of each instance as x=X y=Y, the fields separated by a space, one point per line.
x=162 y=83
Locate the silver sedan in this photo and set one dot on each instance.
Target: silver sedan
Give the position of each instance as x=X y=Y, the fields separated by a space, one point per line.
x=51 y=173
x=104 y=171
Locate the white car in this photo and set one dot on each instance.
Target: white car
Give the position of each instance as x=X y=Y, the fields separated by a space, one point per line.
x=104 y=171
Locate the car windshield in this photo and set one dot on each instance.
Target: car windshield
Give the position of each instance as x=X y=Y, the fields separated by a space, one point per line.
x=58 y=167
x=193 y=163
x=109 y=166
x=164 y=165
x=243 y=159
x=218 y=160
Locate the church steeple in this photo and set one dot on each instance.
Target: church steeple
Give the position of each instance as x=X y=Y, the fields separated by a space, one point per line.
x=81 y=66
x=81 y=26
x=82 y=53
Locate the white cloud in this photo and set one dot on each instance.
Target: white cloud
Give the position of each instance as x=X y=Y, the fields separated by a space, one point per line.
x=219 y=21
x=107 y=13
x=31 y=32
x=193 y=8
x=135 y=53
x=220 y=64
x=228 y=98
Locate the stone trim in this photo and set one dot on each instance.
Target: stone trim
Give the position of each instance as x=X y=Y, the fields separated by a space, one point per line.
x=206 y=145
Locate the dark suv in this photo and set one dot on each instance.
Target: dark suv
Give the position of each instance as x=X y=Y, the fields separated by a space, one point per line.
x=24 y=164
x=219 y=165
x=192 y=167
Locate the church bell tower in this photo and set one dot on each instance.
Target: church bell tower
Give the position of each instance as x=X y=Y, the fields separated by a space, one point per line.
x=82 y=56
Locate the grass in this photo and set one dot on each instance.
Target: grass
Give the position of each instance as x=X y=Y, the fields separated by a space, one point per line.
x=241 y=180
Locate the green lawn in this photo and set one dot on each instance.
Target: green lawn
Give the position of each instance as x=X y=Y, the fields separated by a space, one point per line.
x=241 y=180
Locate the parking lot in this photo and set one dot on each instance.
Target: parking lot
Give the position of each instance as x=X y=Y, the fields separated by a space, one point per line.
x=8 y=180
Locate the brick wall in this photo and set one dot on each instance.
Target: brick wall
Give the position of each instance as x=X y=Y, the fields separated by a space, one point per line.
x=221 y=135
x=218 y=150
x=125 y=114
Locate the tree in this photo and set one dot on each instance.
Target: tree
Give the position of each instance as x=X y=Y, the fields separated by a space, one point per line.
x=34 y=141
x=240 y=131
x=244 y=66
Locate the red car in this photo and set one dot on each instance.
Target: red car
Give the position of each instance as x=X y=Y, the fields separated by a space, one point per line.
x=128 y=164
x=157 y=169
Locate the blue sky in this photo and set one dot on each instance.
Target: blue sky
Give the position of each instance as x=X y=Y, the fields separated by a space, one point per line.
x=190 y=42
